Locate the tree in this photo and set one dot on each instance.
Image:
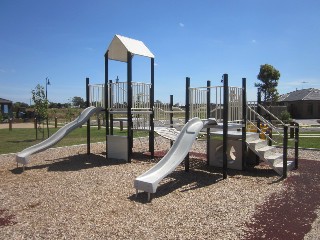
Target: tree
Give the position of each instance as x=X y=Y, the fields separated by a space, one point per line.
x=40 y=104
x=269 y=77
x=78 y=101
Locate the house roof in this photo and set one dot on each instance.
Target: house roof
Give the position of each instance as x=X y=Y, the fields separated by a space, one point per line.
x=5 y=101
x=301 y=95
x=120 y=45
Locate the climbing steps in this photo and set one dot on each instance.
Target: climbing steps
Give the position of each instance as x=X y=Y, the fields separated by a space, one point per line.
x=267 y=153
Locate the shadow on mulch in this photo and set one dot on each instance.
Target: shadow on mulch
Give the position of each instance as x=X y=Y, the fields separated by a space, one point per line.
x=6 y=219
x=179 y=179
x=74 y=163
x=289 y=214
x=200 y=175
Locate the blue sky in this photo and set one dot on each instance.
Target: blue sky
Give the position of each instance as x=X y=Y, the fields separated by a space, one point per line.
x=66 y=41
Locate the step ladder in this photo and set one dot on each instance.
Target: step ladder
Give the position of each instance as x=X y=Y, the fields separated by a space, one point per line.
x=267 y=153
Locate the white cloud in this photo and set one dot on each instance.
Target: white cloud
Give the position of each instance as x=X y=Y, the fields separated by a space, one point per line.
x=181 y=24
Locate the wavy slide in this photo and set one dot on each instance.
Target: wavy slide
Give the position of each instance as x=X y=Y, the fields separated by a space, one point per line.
x=149 y=180
x=22 y=157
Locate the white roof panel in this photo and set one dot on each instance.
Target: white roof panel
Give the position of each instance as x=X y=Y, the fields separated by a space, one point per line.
x=120 y=45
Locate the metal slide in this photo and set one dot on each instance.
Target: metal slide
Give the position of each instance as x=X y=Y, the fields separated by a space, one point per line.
x=22 y=157
x=149 y=180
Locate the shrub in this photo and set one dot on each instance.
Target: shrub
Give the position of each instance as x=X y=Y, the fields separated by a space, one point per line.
x=285 y=116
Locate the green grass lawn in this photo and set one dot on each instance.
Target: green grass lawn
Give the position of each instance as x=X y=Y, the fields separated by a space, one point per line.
x=304 y=142
x=19 y=139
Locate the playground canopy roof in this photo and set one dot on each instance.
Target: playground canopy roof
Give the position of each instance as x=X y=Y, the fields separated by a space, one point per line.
x=120 y=45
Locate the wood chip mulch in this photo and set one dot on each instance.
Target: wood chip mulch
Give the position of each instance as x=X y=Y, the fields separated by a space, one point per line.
x=289 y=214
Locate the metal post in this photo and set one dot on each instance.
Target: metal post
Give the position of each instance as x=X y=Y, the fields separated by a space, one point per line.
x=208 y=116
x=269 y=131
x=171 y=115
x=258 y=107
x=151 y=132
x=106 y=97
x=285 y=150
x=225 y=123
x=258 y=120
x=187 y=114
x=291 y=130
x=88 y=122
x=244 y=122
x=296 y=145
x=187 y=107
x=129 y=105
x=110 y=114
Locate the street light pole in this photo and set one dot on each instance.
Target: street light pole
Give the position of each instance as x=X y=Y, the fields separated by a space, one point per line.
x=47 y=83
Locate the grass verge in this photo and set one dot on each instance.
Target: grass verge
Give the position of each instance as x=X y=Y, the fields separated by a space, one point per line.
x=19 y=139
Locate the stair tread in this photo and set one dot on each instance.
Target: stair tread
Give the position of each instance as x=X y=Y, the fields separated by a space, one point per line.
x=256 y=141
x=252 y=134
x=274 y=156
x=266 y=148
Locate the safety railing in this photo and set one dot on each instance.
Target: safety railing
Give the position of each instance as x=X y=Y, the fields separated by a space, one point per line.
x=255 y=117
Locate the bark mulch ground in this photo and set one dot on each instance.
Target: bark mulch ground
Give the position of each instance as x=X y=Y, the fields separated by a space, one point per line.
x=289 y=214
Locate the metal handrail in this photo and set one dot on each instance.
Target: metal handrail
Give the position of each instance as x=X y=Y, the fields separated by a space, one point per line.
x=260 y=131
x=264 y=120
x=275 y=117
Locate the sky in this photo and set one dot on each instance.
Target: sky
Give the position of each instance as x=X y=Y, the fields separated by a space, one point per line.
x=65 y=41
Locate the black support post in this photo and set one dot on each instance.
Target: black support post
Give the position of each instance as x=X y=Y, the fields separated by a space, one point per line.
x=151 y=132
x=244 y=122
x=258 y=119
x=110 y=113
x=296 y=145
x=171 y=116
x=129 y=107
x=88 y=122
x=285 y=150
x=208 y=116
x=225 y=123
x=106 y=97
x=187 y=105
x=187 y=109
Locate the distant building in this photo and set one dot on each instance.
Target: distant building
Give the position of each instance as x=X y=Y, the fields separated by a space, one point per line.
x=302 y=104
x=6 y=106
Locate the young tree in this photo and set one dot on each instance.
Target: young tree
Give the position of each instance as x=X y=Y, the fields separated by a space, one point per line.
x=40 y=104
x=269 y=77
x=78 y=102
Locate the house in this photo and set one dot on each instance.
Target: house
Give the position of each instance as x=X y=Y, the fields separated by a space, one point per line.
x=302 y=104
x=5 y=106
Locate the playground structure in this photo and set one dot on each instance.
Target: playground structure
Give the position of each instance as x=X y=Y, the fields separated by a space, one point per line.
x=215 y=110
x=237 y=148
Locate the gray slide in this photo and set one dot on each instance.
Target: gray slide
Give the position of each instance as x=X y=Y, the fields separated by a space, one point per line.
x=149 y=180
x=22 y=157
